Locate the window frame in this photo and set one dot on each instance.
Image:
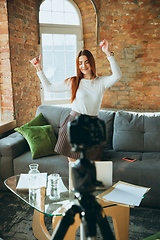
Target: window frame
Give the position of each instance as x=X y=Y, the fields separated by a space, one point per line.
x=61 y=29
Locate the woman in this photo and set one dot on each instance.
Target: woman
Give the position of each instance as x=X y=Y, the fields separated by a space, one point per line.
x=86 y=94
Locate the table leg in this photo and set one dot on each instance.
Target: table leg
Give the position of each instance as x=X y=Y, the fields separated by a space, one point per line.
x=40 y=231
x=120 y=216
x=39 y=228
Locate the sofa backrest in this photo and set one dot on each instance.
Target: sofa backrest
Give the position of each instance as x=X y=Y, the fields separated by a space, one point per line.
x=108 y=118
x=56 y=115
x=136 y=132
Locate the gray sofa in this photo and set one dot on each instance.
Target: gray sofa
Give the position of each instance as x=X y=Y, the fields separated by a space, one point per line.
x=128 y=134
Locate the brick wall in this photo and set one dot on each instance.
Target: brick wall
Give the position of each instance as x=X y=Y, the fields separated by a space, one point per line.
x=132 y=27
x=5 y=66
x=89 y=19
x=24 y=46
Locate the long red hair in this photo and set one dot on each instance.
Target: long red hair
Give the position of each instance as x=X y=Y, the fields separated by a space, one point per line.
x=75 y=81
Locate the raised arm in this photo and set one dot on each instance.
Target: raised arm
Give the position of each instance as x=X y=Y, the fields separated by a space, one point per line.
x=116 y=72
x=50 y=87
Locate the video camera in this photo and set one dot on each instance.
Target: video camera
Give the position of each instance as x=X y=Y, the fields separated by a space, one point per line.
x=84 y=132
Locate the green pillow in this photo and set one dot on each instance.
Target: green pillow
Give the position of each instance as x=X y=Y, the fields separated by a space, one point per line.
x=37 y=121
x=41 y=139
x=153 y=237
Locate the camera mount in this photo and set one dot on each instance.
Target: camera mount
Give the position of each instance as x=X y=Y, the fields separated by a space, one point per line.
x=84 y=180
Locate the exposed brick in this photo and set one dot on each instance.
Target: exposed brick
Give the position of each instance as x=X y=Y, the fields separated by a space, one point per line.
x=137 y=26
x=20 y=27
x=132 y=30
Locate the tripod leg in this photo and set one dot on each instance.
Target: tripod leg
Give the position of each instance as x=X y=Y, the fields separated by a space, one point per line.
x=65 y=223
x=102 y=222
x=94 y=214
x=105 y=228
x=70 y=235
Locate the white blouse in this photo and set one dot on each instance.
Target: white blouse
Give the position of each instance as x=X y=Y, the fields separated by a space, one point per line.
x=90 y=92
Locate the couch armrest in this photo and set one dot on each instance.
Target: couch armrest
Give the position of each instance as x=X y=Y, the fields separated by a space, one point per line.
x=11 y=147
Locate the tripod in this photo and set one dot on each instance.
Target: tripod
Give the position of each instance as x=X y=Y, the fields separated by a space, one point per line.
x=85 y=204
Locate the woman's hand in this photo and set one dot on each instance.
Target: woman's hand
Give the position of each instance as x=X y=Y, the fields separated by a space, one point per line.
x=105 y=47
x=36 y=62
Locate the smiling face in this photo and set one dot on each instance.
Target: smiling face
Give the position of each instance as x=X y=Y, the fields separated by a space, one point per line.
x=85 y=67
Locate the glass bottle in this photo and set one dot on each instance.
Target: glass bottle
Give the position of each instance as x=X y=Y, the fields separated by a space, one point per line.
x=33 y=168
x=54 y=186
x=33 y=178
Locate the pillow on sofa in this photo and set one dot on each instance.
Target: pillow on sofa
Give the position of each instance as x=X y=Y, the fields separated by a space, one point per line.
x=37 y=121
x=108 y=118
x=41 y=139
x=128 y=132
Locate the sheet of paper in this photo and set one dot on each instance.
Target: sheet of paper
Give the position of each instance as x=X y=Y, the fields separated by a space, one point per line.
x=23 y=182
x=126 y=194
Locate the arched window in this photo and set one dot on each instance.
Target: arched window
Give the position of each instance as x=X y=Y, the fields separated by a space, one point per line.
x=61 y=39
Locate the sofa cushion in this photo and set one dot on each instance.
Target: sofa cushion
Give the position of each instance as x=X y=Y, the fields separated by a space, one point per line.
x=108 y=118
x=151 y=156
x=37 y=121
x=49 y=164
x=128 y=132
x=41 y=139
x=151 y=132
x=111 y=155
x=136 y=132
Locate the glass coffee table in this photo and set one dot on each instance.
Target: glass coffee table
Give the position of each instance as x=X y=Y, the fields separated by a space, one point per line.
x=43 y=205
